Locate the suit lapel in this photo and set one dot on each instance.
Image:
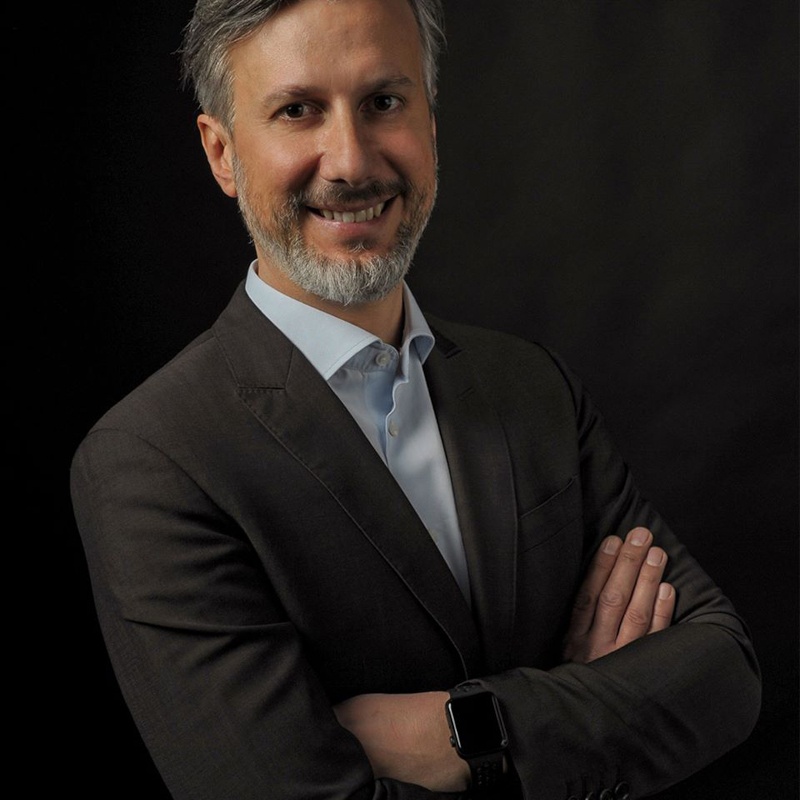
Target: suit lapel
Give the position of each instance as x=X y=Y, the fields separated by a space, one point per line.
x=482 y=478
x=298 y=408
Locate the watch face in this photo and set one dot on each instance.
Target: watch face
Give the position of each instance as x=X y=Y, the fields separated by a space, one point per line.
x=476 y=723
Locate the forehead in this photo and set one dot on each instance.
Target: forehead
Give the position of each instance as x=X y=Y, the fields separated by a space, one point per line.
x=310 y=39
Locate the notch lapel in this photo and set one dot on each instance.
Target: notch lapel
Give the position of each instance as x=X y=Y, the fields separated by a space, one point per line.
x=298 y=408
x=480 y=469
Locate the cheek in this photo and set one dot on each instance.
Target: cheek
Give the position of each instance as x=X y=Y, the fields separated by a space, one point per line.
x=414 y=156
x=276 y=168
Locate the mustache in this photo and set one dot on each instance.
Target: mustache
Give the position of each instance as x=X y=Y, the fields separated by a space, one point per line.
x=334 y=194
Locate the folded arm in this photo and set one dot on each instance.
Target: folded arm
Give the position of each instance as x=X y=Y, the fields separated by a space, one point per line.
x=623 y=706
x=621 y=599
x=221 y=683
x=216 y=677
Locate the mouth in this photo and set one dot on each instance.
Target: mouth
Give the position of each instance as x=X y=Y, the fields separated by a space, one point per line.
x=364 y=214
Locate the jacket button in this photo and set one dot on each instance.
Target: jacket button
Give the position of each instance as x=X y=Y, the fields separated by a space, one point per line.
x=591 y=796
x=622 y=791
x=607 y=794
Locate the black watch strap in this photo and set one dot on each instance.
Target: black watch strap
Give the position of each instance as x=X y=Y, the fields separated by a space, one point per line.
x=487 y=769
x=487 y=773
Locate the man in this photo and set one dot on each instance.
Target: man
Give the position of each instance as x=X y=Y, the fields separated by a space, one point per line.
x=333 y=532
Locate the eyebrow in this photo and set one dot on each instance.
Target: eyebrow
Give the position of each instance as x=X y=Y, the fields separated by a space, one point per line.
x=292 y=91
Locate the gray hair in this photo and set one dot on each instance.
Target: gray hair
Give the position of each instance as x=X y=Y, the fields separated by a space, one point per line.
x=216 y=25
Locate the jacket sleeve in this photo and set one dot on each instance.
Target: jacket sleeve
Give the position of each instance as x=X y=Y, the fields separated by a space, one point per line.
x=654 y=712
x=210 y=667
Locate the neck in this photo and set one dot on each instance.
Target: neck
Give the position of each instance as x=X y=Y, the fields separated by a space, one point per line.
x=383 y=318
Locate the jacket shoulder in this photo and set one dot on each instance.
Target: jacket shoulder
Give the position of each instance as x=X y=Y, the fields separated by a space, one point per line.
x=204 y=376
x=499 y=354
x=167 y=392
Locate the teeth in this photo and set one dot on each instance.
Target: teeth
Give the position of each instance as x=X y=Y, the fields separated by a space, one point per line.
x=353 y=216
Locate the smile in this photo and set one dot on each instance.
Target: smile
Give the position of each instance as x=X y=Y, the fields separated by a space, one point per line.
x=362 y=215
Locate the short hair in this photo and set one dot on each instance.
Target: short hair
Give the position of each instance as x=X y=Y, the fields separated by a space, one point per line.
x=216 y=25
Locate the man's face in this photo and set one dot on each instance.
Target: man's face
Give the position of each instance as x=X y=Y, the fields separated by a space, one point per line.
x=333 y=154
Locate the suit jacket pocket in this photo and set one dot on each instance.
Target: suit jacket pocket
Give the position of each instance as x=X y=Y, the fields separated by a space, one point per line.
x=552 y=517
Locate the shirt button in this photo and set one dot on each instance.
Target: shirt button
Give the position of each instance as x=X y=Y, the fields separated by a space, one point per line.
x=383 y=358
x=394 y=429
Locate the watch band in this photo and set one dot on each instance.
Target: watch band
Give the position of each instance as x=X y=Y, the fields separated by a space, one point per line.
x=487 y=772
x=486 y=769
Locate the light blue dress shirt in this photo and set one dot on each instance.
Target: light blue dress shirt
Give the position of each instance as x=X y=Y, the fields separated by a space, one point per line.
x=387 y=394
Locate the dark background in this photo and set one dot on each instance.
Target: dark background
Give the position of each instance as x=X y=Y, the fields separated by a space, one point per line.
x=618 y=180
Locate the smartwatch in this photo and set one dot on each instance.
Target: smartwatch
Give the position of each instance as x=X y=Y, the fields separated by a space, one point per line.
x=478 y=733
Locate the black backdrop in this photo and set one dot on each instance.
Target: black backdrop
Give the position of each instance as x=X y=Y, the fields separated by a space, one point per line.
x=618 y=180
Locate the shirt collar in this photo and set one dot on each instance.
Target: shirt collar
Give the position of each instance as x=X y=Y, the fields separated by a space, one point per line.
x=327 y=341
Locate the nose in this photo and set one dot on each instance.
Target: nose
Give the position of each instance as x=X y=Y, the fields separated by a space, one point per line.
x=349 y=152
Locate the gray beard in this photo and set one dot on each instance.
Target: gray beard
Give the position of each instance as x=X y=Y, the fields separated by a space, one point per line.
x=349 y=281
x=364 y=278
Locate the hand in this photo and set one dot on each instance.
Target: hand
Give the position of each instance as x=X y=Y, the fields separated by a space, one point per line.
x=621 y=598
x=405 y=737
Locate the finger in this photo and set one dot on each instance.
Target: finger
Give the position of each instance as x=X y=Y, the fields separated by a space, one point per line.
x=664 y=608
x=612 y=604
x=585 y=602
x=639 y=613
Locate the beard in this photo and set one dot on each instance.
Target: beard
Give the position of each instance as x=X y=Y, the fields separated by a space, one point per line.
x=363 y=277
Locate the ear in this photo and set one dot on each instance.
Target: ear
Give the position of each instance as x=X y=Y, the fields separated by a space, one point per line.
x=219 y=150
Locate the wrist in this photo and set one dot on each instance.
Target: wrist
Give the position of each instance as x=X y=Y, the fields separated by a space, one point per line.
x=456 y=767
x=478 y=734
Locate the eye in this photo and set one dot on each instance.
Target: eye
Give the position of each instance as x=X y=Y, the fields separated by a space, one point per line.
x=385 y=102
x=296 y=111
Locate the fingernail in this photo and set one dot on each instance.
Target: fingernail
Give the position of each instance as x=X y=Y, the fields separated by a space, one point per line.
x=638 y=536
x=664 y=591
x=655 y=556
x=611 y=545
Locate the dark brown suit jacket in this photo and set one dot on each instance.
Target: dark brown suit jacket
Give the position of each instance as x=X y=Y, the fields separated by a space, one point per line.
x=253 y=562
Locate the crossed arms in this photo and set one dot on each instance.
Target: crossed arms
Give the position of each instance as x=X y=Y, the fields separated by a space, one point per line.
x=621 y=599
x=247 y=682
